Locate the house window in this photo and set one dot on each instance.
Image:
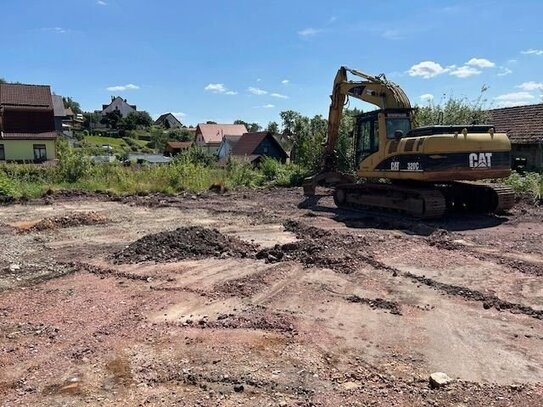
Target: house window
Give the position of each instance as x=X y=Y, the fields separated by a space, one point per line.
x=266 y=150
x=40 y=152
x=2 y=152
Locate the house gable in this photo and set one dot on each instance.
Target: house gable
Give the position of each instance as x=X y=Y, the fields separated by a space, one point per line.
x=120 y=104
x=168 y=120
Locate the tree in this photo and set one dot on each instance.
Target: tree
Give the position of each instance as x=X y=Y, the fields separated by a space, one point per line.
x=211 y=122
x=72 y=104
x=112 y=119
x=91 y=120
x=289 y=117
x=2 y=80
x=453 y=111
x=180 y=135
x=158 y=138
x=251 y=127
x=273 y=128
x=136 y=120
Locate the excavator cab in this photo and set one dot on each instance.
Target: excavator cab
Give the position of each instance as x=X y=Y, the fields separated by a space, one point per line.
x=395 y=124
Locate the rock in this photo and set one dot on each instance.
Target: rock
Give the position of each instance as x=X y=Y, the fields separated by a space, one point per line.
x=14 y=267
x=439 y=379
x=238 y=388
x=350 y=385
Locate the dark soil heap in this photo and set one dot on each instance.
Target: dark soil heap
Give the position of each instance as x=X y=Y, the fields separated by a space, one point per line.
x=183 y=243
x=68 y=221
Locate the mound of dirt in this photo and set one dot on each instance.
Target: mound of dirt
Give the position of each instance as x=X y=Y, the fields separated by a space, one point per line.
x=68 y=221
x=183 y=243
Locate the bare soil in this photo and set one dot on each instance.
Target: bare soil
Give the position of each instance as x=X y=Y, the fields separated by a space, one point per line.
x=261 y=298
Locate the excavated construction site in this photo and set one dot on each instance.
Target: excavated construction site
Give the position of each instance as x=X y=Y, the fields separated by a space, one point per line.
x=262 y=298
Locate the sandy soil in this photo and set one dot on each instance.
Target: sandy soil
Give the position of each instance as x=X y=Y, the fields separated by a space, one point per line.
x=325 y=308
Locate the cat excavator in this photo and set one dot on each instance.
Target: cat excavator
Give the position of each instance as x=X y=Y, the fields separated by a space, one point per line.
x=422 y=172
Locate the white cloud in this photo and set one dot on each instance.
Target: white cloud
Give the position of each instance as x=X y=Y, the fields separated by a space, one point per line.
x=308 y=32
x=219 y=88
x=58 y=30
x=514 y=99
x=512 y=61
x=101 y=3
x=285 y=81
x=480 y=63
x=504 y=71
x=530 y=86
x=532 y=51
x=258 y=79
x=427 y=69
x=331 y=20
x=268 y=106
x=256 y=91
x=122 y=88
x=215 y=88
x=279 y=95
x=427 y=97
x=465 y=72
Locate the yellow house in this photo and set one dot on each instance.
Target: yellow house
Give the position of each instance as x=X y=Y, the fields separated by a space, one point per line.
x=27 y=127
x=28 y=147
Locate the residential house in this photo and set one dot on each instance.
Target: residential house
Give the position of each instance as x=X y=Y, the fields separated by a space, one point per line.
x=254 y=146
x=65 y=119
x=524 y=126
x=120 y=104
x=27 y=123
x=209 y=136
x=226 y=146
x=175 y=147
x=60 y=113
x=168 y=121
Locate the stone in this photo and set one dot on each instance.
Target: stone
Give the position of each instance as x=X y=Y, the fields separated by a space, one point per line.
x=350 y=385
x=238 y=388
x=439 y=379
x=14 y=267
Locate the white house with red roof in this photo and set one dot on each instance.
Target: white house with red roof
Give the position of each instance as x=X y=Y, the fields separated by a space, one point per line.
x=210 y=136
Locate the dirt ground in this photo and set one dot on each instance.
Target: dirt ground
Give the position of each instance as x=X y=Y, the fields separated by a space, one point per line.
x=262 y=298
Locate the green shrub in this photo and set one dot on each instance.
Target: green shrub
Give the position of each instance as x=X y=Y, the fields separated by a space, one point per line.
x=530 y=182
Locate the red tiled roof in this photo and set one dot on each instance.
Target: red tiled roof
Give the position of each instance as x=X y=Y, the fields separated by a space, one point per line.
x=179 y=144
x=523 y=124
x=213 y=133
x=25 y=95
x=50 y=135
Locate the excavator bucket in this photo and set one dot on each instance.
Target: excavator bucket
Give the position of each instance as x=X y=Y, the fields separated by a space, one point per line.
x=328 y=179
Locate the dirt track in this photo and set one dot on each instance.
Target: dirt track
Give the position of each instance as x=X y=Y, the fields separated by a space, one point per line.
x=300 y=304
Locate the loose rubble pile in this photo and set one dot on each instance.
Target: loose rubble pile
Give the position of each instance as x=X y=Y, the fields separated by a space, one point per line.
x=183 y=243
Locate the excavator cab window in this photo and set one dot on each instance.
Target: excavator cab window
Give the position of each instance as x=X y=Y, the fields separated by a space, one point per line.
x=397 y=124
x=367 y=139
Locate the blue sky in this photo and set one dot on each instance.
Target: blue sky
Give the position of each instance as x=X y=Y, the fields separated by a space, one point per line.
x=241 y=59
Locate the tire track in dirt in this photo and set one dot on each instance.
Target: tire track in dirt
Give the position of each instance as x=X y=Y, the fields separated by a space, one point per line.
x=316 y=251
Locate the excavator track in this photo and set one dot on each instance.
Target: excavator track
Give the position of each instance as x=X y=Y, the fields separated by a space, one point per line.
x=427 y=201
x=424 y=203
x=478 y=197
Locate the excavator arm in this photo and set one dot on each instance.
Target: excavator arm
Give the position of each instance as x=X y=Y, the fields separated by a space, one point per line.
x=376 y=90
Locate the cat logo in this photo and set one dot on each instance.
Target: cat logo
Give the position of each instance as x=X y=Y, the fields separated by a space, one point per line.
x=480 y=160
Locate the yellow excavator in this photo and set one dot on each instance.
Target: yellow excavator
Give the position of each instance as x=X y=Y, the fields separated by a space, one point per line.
x=429 y=170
